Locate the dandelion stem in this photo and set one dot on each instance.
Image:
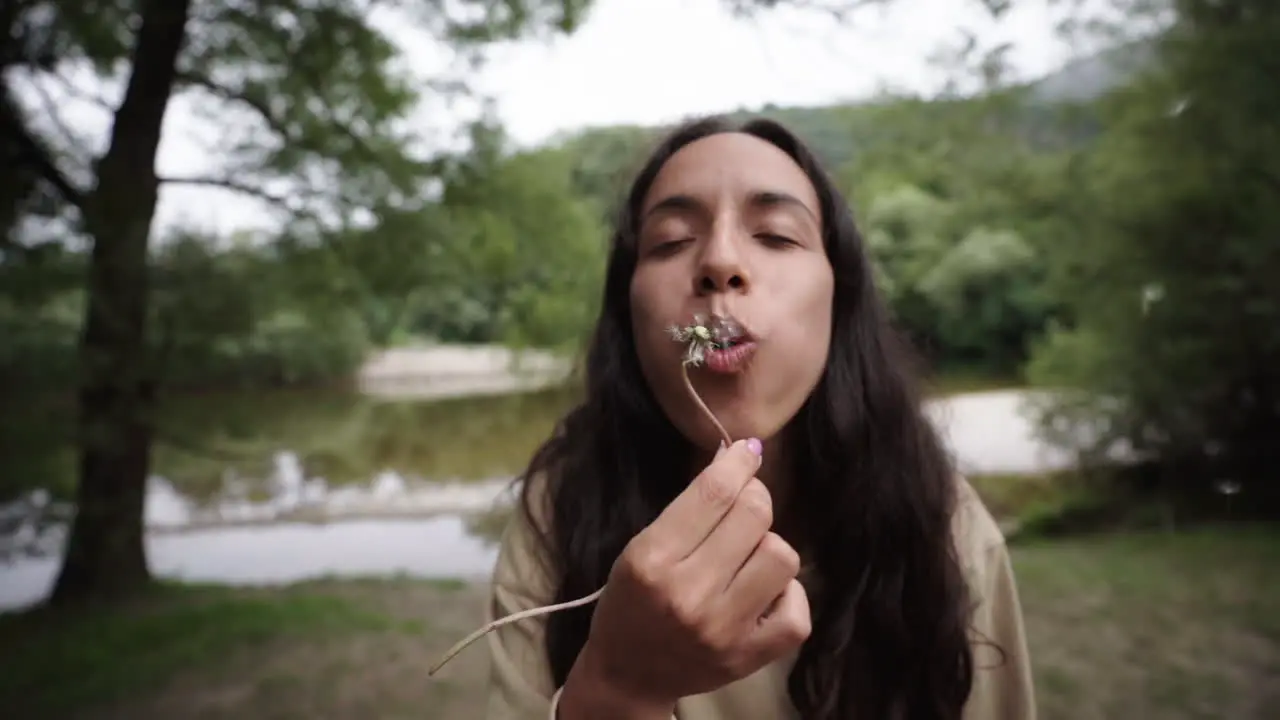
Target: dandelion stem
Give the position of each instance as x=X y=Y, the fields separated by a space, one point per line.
x=688 y=384
x=514 y=617
x=548 y=609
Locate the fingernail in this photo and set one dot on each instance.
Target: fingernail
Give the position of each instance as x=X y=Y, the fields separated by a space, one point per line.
x=755 y=446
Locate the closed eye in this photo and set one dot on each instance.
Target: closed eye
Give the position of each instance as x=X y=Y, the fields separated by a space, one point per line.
x=669 y=247
x=779 y=241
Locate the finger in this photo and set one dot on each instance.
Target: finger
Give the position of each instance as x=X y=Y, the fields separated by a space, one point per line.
x=724 y=552
x=788 y=626
x=691 y=517
x=759 y=585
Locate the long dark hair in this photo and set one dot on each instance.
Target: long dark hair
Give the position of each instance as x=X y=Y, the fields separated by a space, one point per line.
x=878 y=491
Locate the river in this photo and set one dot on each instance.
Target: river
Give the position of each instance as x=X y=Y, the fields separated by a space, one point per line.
x=277 y=487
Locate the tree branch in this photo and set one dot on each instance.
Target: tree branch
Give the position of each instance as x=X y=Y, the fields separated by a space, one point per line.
x=234 y=186
x=31 y=152
x=76 y=143
x=281 y=202
x=204 y=82
x=76 y=91
x=197 y=79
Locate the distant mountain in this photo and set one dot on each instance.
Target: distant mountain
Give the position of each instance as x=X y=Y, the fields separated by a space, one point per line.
x=1091 y=77
x=606 y=156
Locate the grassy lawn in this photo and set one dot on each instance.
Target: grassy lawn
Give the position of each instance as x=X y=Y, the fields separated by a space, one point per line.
x=1154 y=625
x=1136 y=625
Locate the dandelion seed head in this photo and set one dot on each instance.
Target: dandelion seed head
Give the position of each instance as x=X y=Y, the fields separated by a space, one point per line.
x=701 y=336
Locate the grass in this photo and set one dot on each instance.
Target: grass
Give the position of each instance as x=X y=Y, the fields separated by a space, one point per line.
x=1146 y=625
x=1153 y=625
x=957 y=382
x=201 y=651
x=1064 y=503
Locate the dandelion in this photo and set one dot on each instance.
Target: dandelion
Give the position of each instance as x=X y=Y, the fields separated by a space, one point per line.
x=702 y=337
x=699 y=338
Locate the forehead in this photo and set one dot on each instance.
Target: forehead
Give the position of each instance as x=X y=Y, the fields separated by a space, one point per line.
x=731 y=165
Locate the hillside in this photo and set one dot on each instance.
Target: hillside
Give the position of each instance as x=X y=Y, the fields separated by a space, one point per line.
x=605 y=156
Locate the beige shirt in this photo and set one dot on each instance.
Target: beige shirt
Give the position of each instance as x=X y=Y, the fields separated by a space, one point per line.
x=521 y=684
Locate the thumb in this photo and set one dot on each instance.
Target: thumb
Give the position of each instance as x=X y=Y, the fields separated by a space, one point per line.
x=721 y=449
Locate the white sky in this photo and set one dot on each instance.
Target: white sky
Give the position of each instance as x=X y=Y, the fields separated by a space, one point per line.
x=645 y=61
x=651 y=61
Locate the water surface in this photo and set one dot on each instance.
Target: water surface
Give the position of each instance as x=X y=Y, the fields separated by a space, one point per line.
x=278 y=487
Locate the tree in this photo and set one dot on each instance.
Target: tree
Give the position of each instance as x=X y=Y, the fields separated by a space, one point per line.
x=527 y=256
x=1171 y=331
x=966 y=289
x=317 y=76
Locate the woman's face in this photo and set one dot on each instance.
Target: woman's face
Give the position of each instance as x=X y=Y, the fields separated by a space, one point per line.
x=732 y=225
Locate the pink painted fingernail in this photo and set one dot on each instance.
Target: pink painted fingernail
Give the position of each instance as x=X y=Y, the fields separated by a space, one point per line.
x=755 y=446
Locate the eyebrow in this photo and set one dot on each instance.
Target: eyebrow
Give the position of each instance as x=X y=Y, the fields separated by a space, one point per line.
x=759 y=199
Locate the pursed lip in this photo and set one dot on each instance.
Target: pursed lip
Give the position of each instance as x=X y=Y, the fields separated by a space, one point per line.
x=732 y=359
x=731 y=330
x=725 y=338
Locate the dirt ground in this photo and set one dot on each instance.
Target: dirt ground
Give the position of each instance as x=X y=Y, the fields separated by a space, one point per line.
x=378 y=673
x=1149 y=626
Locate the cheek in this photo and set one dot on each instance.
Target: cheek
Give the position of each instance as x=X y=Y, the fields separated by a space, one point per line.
x=810 y=334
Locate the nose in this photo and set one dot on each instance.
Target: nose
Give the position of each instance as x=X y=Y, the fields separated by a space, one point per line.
x=721 y=268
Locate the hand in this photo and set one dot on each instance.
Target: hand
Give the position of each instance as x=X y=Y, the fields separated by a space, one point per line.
x=702 y=597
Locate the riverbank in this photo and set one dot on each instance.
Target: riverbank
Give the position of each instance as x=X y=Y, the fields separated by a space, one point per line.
x=292 y=487
x=1120 y=626
x=432 y=372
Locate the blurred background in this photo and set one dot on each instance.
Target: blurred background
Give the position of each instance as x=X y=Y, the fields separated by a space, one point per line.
x=290 y=291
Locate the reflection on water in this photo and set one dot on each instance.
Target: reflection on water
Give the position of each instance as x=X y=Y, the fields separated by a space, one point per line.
x=299 y=530
x=283 y=486
x=431 y=547
x=32 y=525
x=211 y=444
x=288 y=494
x=280 y=486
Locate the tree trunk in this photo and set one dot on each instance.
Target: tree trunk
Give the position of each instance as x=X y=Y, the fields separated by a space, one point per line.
x=105 y=557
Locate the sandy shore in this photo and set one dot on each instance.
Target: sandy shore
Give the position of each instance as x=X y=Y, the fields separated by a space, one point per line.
x=443 y=371
x=986 y=431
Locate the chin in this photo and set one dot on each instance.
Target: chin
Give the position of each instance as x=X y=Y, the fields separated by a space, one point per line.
x=742 y=416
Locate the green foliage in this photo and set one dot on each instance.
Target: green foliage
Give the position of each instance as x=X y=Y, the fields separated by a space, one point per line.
x=527 y=256
x=508 y=254
x=311 y=102
x=968 y=292
x=957 y=199
x=322 y=81
x=603 y=161
x=1172 y=330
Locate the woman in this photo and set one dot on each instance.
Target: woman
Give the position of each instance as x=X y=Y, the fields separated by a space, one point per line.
x=828 y=565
